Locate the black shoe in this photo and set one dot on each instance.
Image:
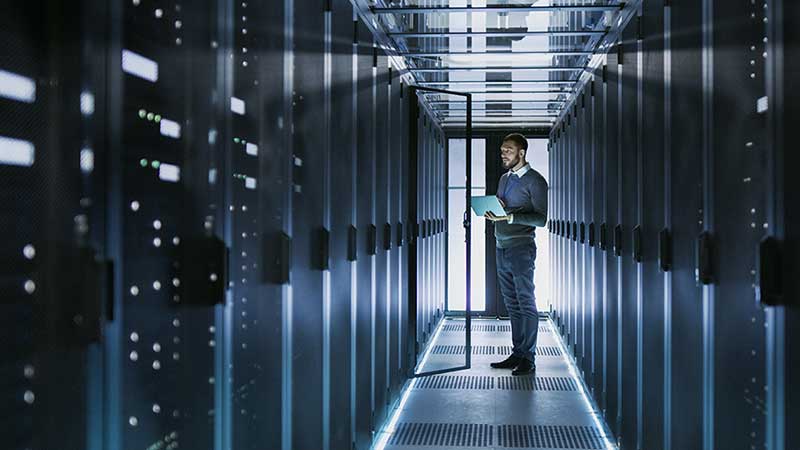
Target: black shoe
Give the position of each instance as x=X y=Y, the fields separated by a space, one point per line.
x=508 y=363
x=524 y=367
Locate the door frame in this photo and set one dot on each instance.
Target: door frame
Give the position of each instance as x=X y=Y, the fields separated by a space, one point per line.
x=412 y=304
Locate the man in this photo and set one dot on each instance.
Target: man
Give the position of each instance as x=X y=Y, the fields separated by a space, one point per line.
x=523 y=193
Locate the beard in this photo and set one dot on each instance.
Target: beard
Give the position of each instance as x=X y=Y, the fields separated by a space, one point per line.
x=511 y=163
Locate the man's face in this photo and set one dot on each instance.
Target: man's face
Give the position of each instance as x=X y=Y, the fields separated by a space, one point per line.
x=510 y=154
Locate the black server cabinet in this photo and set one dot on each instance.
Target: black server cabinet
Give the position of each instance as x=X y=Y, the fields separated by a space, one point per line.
x=779 y=263
x=652 y=166
x=596 y=236
x=583 y=150
x=309 y=182
x=391 y=228
x=381 y=187
x=167 y=226
x=571 y=247
x=342 y=194
x=629 y=184
x=738 y=179
x=54 y=278
x=685 y=135
x=400 y=195
x=255 y=206
x=366 y=158
x=614 y=309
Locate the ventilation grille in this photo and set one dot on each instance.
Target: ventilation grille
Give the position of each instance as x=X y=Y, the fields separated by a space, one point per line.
x=536 y=384
x=507 y=328
x=475 y=327
x=461 y=349
x=456 y=382
x=540 y=351
x=549 y=436
x=508 y=436
x=548 y=351
x=444 y=434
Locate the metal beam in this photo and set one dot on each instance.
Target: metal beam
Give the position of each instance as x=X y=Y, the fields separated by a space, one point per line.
x=505 y=115
x=419 y=54
x=437 y=34
x=492 y=69
x=498 y=83
x=507 y=8
x=507 y=91
x=527 y=112
x=491 y=102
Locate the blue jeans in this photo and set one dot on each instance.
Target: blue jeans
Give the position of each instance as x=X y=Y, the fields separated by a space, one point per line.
x=515 y=274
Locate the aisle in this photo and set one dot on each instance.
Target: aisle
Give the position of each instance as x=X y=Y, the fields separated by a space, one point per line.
x=488 y=408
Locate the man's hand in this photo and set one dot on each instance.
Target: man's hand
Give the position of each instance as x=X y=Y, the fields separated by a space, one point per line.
x=491 y=216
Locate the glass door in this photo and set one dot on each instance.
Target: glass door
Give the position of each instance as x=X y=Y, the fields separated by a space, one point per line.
x=456 y=252
x=452 y=350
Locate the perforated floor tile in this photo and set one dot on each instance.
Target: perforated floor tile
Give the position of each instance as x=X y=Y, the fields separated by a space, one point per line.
x=488 y=408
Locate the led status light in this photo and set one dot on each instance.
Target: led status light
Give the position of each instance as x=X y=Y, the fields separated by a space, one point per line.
x=16 y=152
x=17 y=87
x=137 y=65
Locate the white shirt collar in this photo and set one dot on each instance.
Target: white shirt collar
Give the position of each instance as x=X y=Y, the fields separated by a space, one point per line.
x=521 y=171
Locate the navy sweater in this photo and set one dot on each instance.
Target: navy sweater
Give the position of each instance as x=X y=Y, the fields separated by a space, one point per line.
x=526 y=199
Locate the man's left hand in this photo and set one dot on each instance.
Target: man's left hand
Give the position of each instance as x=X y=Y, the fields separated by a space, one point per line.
x=491 y=216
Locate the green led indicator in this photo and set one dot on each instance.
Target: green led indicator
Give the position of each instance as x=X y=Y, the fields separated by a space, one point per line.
x=155 y=164
x=150 y=116
x=142 y=113
x=143 y=162
x=158 y=118
x=236 y=139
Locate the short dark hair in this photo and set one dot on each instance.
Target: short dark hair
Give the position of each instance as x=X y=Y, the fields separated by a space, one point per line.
x=517 y=139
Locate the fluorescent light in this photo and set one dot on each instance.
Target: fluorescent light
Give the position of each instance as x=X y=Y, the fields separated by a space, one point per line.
x=168 y=172
x=136 y=64
x=17 y=87
x=16 y=152
x=170 y=128
x=252 y=149
x=237 y=106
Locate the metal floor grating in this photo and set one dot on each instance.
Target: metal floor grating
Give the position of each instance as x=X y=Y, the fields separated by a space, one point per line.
x=568 y=437
x=456 y=382
x=461 y=349
x=444 y=434
x=487 y=408
x=491 y=350
x=549 y=436
x=511 y=383
x=506 y=383
x=540 y=350
x=486 y=328
x=479 y=327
